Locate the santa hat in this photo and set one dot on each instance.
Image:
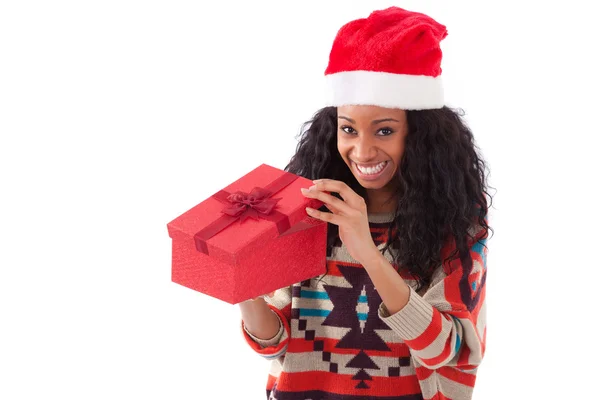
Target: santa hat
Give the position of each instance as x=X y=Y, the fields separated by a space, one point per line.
x=390 y=59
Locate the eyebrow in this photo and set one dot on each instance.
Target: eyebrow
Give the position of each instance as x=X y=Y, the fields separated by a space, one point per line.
x=374 y=122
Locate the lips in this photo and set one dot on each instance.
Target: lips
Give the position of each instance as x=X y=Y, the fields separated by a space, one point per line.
x=370 y=172
x=371 y=169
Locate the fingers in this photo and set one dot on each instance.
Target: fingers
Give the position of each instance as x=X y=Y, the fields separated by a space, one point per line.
x=349 y=195
x=332 y=209
x=324 y=216
x=331 y=202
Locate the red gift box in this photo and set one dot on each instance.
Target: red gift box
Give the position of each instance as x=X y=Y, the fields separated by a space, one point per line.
x=250 y=238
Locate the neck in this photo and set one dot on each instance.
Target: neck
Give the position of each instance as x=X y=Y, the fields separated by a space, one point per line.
x=380 y=201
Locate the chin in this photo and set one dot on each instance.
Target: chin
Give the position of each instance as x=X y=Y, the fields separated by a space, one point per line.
x=372 y=185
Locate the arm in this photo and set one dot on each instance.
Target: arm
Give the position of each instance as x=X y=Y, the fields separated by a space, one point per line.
x=266 y=324
x=445 y=326
x=259 y=320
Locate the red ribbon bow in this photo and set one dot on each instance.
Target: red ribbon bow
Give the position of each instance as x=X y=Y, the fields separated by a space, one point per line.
x=241 y=205
x=250 y=205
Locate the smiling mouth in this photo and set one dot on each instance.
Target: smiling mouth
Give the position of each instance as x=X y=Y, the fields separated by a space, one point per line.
x=370 y=172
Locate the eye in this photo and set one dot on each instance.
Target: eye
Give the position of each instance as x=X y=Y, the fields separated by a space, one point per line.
x=386 y=131
x=348 y=129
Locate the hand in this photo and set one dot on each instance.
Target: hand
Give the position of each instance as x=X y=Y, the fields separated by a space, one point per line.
x=349 y=214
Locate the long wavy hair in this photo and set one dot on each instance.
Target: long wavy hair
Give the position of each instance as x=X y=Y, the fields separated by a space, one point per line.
x=442 y=192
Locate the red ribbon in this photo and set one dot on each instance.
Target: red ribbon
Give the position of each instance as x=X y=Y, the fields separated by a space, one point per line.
x=249 y=205
x=241 y=206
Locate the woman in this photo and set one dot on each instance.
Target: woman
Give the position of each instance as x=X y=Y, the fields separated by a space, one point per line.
x=400 y=313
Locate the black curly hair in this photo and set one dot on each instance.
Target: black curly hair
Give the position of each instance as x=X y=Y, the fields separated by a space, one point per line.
x=442 y=191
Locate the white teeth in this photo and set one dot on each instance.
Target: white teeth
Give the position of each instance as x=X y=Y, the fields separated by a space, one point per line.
x=371 y=170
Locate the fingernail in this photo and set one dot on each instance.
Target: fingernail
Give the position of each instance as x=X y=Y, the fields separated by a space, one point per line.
x=303 y=190
x=309 y=210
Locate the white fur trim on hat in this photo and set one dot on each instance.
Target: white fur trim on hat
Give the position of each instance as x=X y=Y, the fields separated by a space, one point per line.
x=407 y=92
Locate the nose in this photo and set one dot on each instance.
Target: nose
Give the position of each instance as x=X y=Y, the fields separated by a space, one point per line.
x=364 y=149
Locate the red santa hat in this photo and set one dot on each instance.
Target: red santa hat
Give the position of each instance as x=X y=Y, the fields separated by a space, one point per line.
x=390 y=59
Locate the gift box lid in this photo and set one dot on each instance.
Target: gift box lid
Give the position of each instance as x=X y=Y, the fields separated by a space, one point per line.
x=230 y=240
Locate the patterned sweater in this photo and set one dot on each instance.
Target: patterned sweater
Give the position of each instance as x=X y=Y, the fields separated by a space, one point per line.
x=337 y=340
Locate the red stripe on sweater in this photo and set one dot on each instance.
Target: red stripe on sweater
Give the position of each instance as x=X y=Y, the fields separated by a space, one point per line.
x=271 y=382
x=429 y=335
x=450 y=373
x=286 y=311
x=446 y=351
x=452 y=292
x=457 y=375
x=298 y=345
x=333 y=270
x=477 y=309
x=423 y=373
x=344 y=384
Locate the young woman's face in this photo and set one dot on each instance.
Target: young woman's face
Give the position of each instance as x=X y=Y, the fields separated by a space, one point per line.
x=371 y=141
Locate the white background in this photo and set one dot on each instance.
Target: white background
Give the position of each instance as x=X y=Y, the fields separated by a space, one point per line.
x=117 y=116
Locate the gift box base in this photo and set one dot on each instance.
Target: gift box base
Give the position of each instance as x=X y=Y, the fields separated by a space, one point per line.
x=259 y=269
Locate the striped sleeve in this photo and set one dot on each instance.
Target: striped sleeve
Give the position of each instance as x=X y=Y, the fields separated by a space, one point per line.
x=446 y=327
x=281 y=305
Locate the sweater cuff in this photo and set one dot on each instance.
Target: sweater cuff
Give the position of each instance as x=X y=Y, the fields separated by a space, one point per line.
x=412 y=320
x=268 y=342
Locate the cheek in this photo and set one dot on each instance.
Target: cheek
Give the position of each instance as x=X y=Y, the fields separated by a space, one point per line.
x=399 y=151
x=399 y=155
x=397 y=160
x=342 y=148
